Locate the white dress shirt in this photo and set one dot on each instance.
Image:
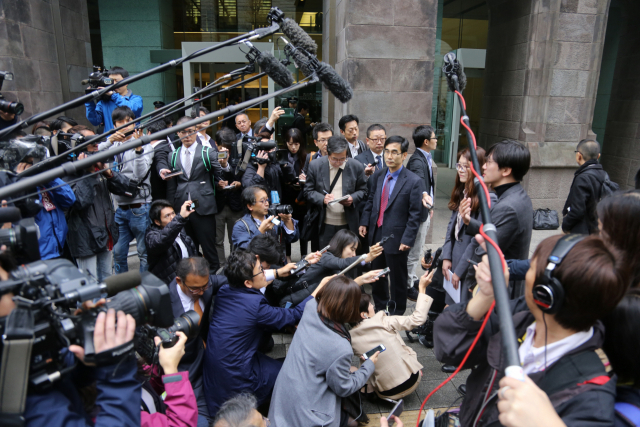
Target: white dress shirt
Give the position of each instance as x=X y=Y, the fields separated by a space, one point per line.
x=205 y=140
x=187 y=302
x=533 y=359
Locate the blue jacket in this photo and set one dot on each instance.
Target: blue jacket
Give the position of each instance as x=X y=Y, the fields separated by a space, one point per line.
x=101 y=112
x=232 y=363
x=240 y=236
x=53 y=225
x=118 y=399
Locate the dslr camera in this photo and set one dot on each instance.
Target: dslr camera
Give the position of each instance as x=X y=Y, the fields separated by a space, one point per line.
x=278 y=208
x=98 y=78
x=144 y=339
x=6 y=106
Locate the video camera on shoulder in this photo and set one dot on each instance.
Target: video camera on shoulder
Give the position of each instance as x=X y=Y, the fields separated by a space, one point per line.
x=252 y=150
x=98 y=78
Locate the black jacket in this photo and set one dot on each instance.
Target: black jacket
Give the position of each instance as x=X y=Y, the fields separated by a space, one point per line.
x=91 y=219
x=163 y=252
x=580 y=208
x=158 y=185
x=403 y=213
x=274 y=177
x=231 y=197
x=455 y=330
x=418 y=164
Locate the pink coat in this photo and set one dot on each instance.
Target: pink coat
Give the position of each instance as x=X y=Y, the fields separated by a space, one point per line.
x=182 y=409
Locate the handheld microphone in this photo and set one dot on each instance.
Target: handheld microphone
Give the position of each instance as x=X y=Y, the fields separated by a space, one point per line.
x=270 y=65
x=10 y=214
x=456 y=79
x=309 y=65
x=112 y=285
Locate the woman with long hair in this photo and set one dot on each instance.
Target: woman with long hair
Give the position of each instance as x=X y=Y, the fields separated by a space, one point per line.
x=297 y=155
x=317 y=374
x=341 y=254
x=458 y=246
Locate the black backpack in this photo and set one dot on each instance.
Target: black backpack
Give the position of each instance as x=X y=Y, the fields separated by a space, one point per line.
x=608 y=187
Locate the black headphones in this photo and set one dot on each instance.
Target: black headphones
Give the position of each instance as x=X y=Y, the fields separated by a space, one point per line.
x=549 y=293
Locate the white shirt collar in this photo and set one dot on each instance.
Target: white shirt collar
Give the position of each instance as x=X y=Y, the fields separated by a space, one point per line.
x=192 y=148
x=533 y=359
x=187 y=302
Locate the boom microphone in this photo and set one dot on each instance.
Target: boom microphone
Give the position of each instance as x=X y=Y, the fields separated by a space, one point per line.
x=456 y=79
x=270 y=65
x=298 y=36
x=309 y=65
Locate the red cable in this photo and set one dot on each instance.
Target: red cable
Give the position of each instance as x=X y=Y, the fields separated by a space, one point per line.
x=504 y=265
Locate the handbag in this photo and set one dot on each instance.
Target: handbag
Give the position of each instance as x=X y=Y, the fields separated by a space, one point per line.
x=312 y=216
x=545 y=219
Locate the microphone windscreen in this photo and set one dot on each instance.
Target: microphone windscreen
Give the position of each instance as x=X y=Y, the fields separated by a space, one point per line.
x=302 y=62
x=298 y=37
x=122 y=282
x=275 y=69
x=339 y=87
x=9 y=214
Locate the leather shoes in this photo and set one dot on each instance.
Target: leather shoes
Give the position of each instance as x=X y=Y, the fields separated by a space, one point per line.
x=463 y=389
x=412 y=294
x=449 y=369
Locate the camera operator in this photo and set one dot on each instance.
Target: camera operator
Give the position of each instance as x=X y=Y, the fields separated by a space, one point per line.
x=240 y=317
x=132 y=215
x=572 y=282
x=118 y=390
x=181 y=409
x=257 y=221
x=101 y=112
x=62 y=124
x=91 y=219
x=166 y=240
x=269 y=174
x=229 y=200
x=193 y=289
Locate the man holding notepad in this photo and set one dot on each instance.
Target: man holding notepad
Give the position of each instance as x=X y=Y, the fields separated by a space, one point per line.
x=335 y=187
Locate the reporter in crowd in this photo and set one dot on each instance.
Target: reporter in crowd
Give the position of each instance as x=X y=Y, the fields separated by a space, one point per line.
x=258 y=221
x=398 y=372
x=317 y=370
x=132 y=215
x=101 y=112
x=203 y=138
x=241 y=410
x=506 y=164
x=93 y=231
x=62 y=124
x=330 y=178
x=200 y=171
x=181 y=409
x=161 y=150
x=240 y=317
x=229 y=200
x=459 y=246
x=193 y=289
x=372 y=158
x=297 y=155
x=558 y=342
x=349 y=129
x=41 y=129
x=118 y=390
x=166 y=241
x=321 y=134
x=341 y=254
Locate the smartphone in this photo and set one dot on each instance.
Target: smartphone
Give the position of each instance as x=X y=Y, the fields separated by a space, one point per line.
x=222 y=155
x=172 y=174
x=194 y=205
x=397 y=410
x=373 y=351
x=276 y=220
x=228 y=187
x=383 y=272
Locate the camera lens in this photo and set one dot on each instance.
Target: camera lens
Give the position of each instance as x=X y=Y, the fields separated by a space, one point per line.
x=284 y=209
x=187 y=323
x=11 y=107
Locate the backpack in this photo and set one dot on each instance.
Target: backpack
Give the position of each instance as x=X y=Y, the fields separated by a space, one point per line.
x=608 y=187
x=206 y=161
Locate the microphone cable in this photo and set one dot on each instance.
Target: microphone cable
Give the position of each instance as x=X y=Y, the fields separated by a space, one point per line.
x=504 y=265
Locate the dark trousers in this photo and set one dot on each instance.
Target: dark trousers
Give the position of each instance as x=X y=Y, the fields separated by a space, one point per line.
x=202 y=230
x=327 y=233
x=395 y=293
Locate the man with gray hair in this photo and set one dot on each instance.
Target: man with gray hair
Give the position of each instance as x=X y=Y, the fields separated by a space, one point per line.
x=331 y=178
x=586 y=190
x=240 y=411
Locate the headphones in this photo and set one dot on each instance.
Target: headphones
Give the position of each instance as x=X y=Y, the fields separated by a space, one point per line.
x=549 y=293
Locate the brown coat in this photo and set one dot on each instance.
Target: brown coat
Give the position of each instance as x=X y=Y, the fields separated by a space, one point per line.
x=396 y=364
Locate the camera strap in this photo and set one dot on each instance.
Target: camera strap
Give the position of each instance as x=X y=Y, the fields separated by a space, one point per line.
x=16 y=357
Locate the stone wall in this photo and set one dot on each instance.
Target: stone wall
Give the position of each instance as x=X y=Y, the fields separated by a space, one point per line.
x=46 y=45
x=621 y=147
x=543 y=62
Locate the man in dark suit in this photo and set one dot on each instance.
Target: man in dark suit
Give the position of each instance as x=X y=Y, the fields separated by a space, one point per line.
x=299 y=121
x=196 y=183
x=193 y=289
x=372 y=159
x=421 y=163
x=512 y=214
x=321 y=134
x=349 y=129
x=330 y=178
x=394 y=206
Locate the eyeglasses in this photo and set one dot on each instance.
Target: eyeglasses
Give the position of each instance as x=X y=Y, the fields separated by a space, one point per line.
x=186 y=131
x=263 y=201
x=198 y=290
x=435 y=137
x=393 y=153
x=461 y=167
x=259 y=273
x=323 y=140
x=338 y=161
x=377 y=140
